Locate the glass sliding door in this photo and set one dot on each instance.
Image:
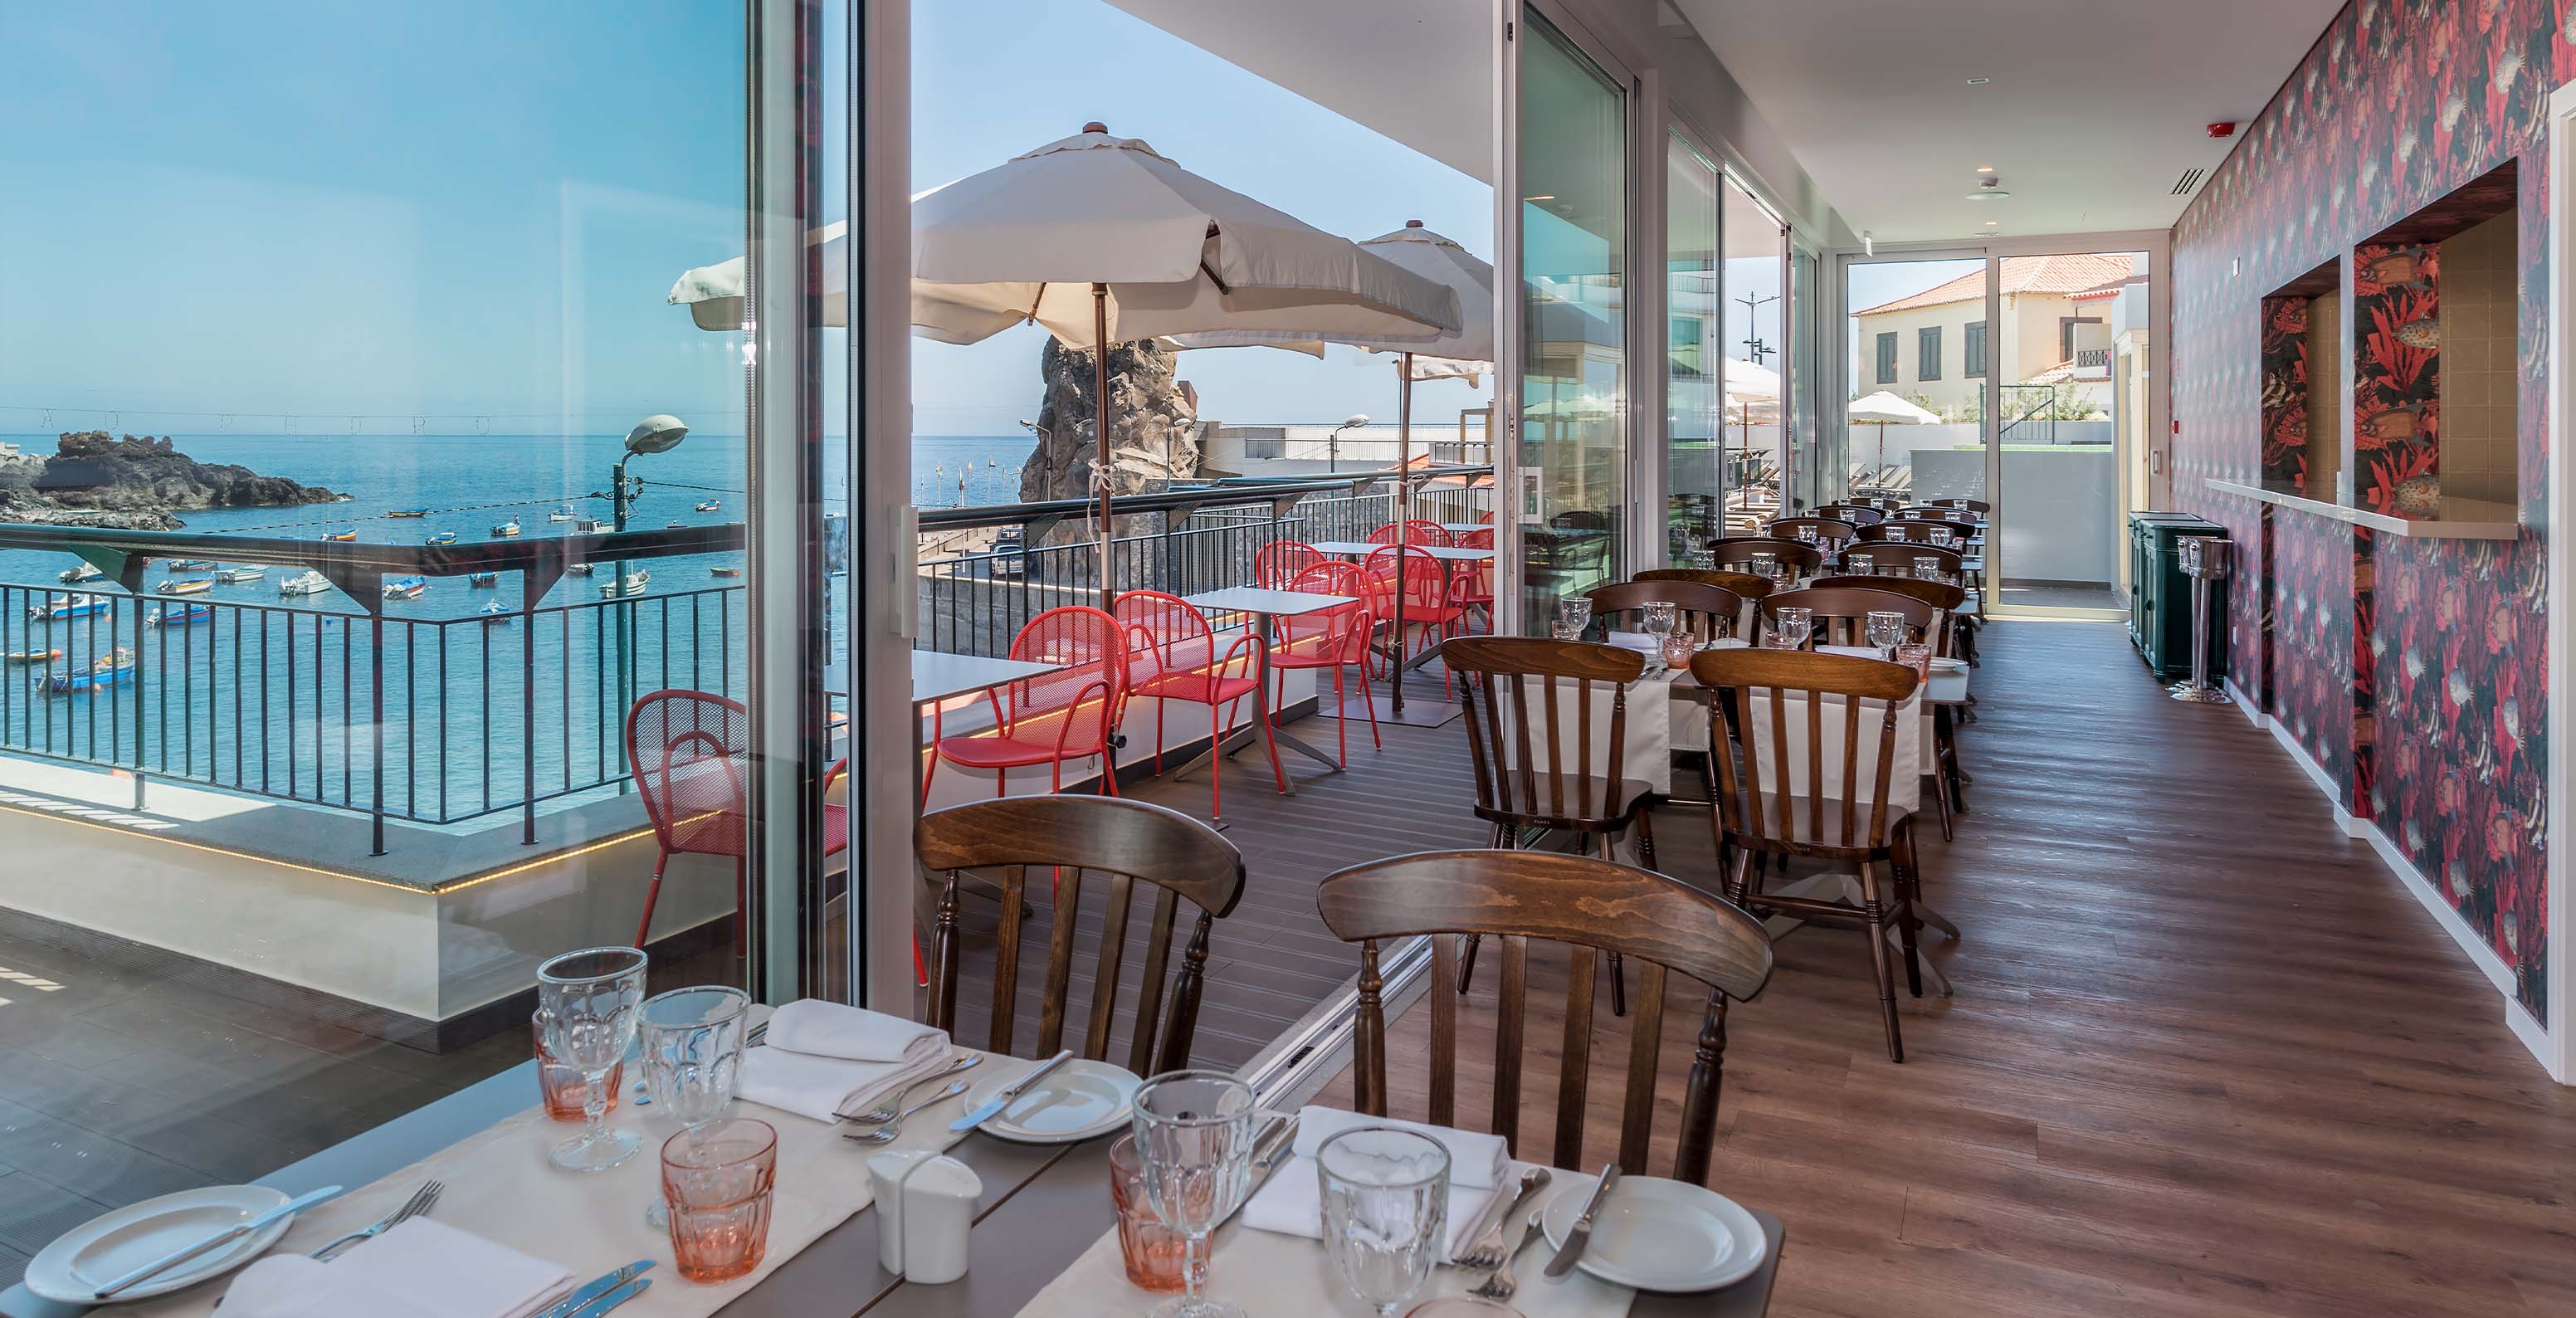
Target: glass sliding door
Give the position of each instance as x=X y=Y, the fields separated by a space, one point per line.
x=2057 y=525
x=1919 y=351
x=1756 y=388
x=1694 y=343
x=1818 y=474
x=1572 y=504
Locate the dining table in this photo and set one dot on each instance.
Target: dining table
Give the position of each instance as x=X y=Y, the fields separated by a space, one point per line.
x=1264 y=606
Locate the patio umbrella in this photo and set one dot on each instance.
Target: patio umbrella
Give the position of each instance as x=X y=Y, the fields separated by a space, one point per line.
x=1102 y=240
x=1884 y=408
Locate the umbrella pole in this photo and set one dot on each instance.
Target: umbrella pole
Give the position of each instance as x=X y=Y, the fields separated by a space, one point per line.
x=1100 y=468
x=1403 y=513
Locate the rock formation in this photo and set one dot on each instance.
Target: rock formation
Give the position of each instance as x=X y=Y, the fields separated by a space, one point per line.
x=134 y=483
x=1153 y=423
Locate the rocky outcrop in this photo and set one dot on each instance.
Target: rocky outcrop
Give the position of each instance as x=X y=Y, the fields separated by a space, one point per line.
x=1153 y=423
x=134 y=483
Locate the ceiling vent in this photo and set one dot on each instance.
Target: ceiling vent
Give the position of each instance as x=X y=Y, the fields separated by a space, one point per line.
x=2190 y=179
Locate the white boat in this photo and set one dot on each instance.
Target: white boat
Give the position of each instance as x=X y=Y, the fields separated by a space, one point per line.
x=709 y=506
x=506 y=529
x=405 y=588
x=186 y=586
x=495 y=614
x=307 y=582
x=85 y=572
x=635 y=584
x=563 y=514
x=234 y=576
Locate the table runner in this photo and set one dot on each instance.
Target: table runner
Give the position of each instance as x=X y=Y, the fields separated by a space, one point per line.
x=1273 y=1274
x=500 y=1187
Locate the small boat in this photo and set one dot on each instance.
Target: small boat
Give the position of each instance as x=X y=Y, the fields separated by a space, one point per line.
x=479 y=580
x=64 y=607
x=508 y=528
x=563 y=514
x=181 y=615
x=408 y=512
x=635 y=584
x=190 y=586
x=580 y=569
x=709 y=506
x=73 y=576
x=442 y=538
x=341 y=536
x=34 y=656
x=406 y=588
x=193 y=565
x=724 y=571
x=495 y=614
x=307 y=582
x=589 y=526
x=674 y=526
x=115 y=670
x=234 y=576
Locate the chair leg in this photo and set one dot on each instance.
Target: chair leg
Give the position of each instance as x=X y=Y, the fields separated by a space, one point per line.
x=1941 y=794
x=652 y=894
x=1158 y=738
x=1909 y=881
x=1341 y=726
x=927 y=775
x=1874 y=906
x=1618 y=968
x=1739 y=876
x=1467 y=946
x=1368 y=701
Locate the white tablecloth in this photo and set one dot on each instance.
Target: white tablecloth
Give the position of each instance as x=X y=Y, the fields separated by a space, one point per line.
x=1689 y=732
x=1646 y=753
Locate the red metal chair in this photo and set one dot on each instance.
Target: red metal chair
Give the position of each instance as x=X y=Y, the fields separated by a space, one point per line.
x=1334 y=639
x=1471 y=585
x=1417 y=532
x=1067 y=714
x=1173 y=657
x=691 y=754
x=1276 y=564
x=1425 y=583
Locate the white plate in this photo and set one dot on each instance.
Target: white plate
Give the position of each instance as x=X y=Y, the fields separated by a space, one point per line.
x=1660 y=1235
x=109 y=1246
x=1079 y=1101
x=1949 y=665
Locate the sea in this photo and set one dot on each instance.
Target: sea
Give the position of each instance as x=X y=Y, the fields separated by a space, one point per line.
x=276 y=696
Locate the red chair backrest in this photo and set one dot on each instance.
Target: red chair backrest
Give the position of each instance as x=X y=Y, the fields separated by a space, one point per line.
x=1167 y=630
x=1426 y=582
x=1090 y=682
x=1422 y=532
x=1275 y=564
x=691 y=753
x=1344 y=627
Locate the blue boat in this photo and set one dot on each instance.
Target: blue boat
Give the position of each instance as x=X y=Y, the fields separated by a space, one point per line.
x=63 y=608
x=115 y=670
x=508 y=528
x=495 y=614
x=443 y=538
x=181 y=615
x=479 y=580
x=406 y=588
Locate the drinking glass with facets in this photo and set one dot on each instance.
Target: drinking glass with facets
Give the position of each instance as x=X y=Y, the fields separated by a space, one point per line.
x=692 y=1056
x=1194 y=1144
x=1885 y=630
x=1386 y=1211
x=586 y=1007
x=1790 y=626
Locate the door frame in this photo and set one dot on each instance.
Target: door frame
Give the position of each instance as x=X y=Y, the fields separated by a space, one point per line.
x=2556 y=1044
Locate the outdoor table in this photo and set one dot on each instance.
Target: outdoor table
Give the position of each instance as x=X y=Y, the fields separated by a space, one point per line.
x=1264 y=605
x=938 y=675
x=1361 y=549
x=1466 y=528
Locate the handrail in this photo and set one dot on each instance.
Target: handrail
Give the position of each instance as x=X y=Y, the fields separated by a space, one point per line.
x=1224 y=492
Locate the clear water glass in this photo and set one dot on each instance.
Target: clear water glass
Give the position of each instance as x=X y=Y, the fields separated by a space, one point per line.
x=1927 y=567
x=692 y=1059
x=1194 y=1146
x=1386 y=1211
x=1807 y=533
x=1790 y=626
x=1573 y=617
x=1765 y=565
x=1886 y=630
x=586 y=1009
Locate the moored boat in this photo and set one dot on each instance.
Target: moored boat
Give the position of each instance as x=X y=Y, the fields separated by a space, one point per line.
x=34 y=656
x=63 y=607
x=724 y=571
x=635 y=584
x=115 y=670
x=709 y=506
x=234 y=576
x=479 y=580
x=185 y=586
x=181 y=615
x=342 y=536
x=193 y=565
x=73 y=576
x=307 y=582
x=580 y=569
x=406 y=588
x=408 y=512
x=442 y=538
x=563 y=514
x=495 y=614
x=508 y=528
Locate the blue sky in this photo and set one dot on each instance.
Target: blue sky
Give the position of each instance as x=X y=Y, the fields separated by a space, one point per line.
x=471 y=211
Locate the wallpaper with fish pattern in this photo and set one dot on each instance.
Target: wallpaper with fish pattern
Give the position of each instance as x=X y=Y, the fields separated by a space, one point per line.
x=2285 y=394
x=2430 y=649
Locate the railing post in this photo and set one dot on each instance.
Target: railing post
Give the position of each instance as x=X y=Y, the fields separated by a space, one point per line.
x=528 y=720
x=376 y=681
x=138 y=692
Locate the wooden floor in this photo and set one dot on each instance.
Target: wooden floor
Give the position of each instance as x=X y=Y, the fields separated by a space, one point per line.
x=2206 y=1057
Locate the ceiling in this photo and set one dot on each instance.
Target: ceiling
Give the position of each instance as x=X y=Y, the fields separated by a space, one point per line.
x=2093 y=111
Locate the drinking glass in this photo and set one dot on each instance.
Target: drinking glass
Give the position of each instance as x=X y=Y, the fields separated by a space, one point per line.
x=1807 y=533
x=1194 y=1144
x=561 y=1087
x=1573 y=617
x=1918 y=657
x=1790 y=625
x=1940 y=536
x=1765 y=565
x=1927 y=567
x=1885 y=630
x=720 y=1179
x=1156 y=1255
x=1386 y=1210
x=692 y=1057
x=586 y=1005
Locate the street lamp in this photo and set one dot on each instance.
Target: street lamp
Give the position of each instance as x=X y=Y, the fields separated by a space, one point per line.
x=659 y=433
x=1333 y=442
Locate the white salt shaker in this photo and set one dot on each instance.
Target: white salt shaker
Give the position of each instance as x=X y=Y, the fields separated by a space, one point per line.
x=938 y=1215
x=886 y=1174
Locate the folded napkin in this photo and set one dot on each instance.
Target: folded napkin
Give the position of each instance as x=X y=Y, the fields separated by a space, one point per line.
x=875 y=1059
x=1855 y=651
x=1292 y=1204
x=1642 y=642
x=421 y=1269
x=1478 y=1162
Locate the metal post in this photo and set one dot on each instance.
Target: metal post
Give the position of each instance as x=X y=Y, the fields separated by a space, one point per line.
x=1403 y=569
x=621 y=627
x=1100 y=469
x=376 y=681
x=2204 y=560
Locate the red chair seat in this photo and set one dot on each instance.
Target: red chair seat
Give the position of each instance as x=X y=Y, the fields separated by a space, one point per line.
x=1202 y=688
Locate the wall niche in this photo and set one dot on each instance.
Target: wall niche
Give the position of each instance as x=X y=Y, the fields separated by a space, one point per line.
x=2303 y=384
x=2434 y=313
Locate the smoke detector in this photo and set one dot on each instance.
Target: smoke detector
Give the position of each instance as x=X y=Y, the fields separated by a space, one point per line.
x=1989 y=188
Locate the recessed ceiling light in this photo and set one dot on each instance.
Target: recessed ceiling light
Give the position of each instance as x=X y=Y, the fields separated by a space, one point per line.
x=1985 y=169
x=1988 y=194
x=1990 y=223
x=1979 y=82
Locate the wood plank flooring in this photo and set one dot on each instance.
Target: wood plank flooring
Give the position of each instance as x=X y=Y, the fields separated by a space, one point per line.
x=2206 y=1056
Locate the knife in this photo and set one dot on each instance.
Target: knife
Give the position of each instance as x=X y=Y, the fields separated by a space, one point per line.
x=1010 y=1093
x=612 y=1299
x=216 y=1241
x=565 y=1307
x=1580 y=1234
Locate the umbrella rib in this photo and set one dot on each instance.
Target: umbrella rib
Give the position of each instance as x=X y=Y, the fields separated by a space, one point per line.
x=1040 y=296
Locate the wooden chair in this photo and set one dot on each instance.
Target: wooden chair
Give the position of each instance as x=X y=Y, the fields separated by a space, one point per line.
x=1854 y=512
x=1950 y=780
x=1704 y=611
x=1918 y=531
x=1126 y=842
x=1761 y=812
x=1829 y=532
x=1521 y=695
x=1940 y=595
x=1978 y=506
x=1744 y=584
x=1592 y=906
x=1895 y=559
x=1933 y=512
x=1842 y=613
x=1736 y=552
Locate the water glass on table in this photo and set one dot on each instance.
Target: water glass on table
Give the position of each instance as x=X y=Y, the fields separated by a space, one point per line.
x=1194 y=1146
x=586 y=1003
x=1765 y=565
x=1918 y=657
x=1156 y=1256
x=720 y=1179
x=692 y=1058
x=1386 y=1211
x=1573 y=618
x=1790 y=626
x=1927 y=567
x=1885 y=630
x=562 y=1088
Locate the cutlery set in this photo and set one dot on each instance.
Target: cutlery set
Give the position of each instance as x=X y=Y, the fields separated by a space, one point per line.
x=1488 y=1251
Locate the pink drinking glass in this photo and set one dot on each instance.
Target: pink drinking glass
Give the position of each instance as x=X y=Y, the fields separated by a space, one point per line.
x=1154 y=1253
x=562 y=1087
x=719 y=1180
x=1918 y=657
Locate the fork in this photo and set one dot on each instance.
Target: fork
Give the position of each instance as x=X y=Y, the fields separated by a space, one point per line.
x=1486 y=1252
x=886 y=1134
x=886 y=1111
x=1503 y=1284
x=419 y=1203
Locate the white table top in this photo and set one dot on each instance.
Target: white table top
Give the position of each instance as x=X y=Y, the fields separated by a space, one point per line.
x=1255 y=599
x=1364 y=548
x=1466 y=528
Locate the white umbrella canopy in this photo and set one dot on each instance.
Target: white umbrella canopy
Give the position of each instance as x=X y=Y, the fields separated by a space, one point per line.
x=1747 y=382
x=1887 y=408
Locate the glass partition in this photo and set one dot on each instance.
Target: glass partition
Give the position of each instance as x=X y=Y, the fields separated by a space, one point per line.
x=1694 y=418
x=1572 y=504
x=1756 y=390
x=1820 y=476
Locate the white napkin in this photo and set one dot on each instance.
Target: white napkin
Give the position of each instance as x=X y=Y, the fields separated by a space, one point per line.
x=1477 y=1162
x=1292 y=1204
x=821 y=1087
x=421 y=1269
x=1855 y=651
x=1642 y=642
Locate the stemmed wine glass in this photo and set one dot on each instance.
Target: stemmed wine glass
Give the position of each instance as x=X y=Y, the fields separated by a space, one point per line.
x=692 y=1046
x=1658 y=617
x=1573 y=617
x=1386 y=1211
x=1790 y=625
x=1886 y=630
x=1194 y=1146
x=586 y=1004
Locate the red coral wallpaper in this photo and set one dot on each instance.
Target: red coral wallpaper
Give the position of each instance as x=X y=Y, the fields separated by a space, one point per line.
x=2411 y=669
x=2285 y=394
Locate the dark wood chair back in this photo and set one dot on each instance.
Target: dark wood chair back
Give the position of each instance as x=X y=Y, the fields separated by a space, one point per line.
x=1761 y=799
x=1978 y=506
x=1124 y=842
x=1889 y=558
x=1593 y=906
x=1829 y=530
x=1704 y=611
x=1939 y=594
x=1744 y=584
x=1842 y=612
x=1917 y=530
x=1855 y=512
x=1736 y=552
x=1937 y=513
x=1526 y=699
